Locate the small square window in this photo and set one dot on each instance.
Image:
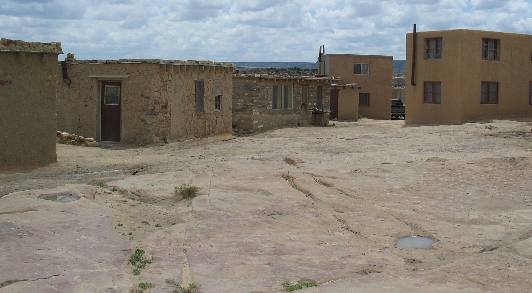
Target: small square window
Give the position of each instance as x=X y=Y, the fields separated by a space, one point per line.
x=363 y=99
x=432 y=92
x=218 y=103
x=489 y=92
x=361 y=68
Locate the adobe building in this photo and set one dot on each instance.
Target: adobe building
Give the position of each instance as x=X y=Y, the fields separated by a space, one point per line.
x=461 y=75
x=263 y=101
x=344 y=102
x=28 y=88
x=373 y=75
x=144 y=101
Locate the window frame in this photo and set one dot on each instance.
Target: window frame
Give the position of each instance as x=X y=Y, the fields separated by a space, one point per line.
x=436 y=52
x=199 y=95
x=218 y=103
x=360 y=100
x=434 y=99
x=361 y=66
x=109 y=86
x=488 y=100
x=319 y=97
x=486 y=49
x=286 y=99
x=530 y=93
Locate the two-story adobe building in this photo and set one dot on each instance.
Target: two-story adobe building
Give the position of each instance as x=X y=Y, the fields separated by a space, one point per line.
x=373 y=75
x=461 y=75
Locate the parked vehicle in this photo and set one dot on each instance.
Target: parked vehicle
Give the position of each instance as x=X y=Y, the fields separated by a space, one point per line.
x=398 y=110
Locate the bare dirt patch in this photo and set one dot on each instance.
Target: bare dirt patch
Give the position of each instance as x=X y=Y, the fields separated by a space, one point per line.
x=328 y=206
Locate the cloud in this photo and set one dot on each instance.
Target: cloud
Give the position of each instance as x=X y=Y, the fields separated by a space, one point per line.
x=247 y=30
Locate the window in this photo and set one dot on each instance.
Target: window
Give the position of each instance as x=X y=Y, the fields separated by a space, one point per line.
x=530 y=93
x=433 y=48
x=361 y=68
x=490 y=49
x=218 y=103
x=200 y=94
x=111 y=95
x=319 y=97
x=432 y=92
x=489 y=93
x=363 y=99
x=282 y=97
x=304 y=94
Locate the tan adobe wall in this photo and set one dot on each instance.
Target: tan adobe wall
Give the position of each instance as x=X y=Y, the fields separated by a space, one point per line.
x=378 y=83
x=186 y=122
x=158 y=101
x=348 y=103
x=461 y=71
x=28 y=91
x=252 y=104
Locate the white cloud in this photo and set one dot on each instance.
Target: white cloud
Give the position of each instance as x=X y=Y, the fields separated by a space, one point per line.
x=247 y=30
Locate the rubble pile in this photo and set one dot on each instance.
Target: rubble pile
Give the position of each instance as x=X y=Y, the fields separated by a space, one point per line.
x=74 y=139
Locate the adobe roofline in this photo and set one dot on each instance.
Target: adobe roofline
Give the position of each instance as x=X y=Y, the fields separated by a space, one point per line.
x=470 y=30
x=8 y=45
x=154 y=61
x=359 y=55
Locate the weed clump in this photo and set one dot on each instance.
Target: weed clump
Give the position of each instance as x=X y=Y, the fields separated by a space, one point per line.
x=101 y=184
x=139 y=261
x=143 y=286
x=191 y=288
x=187 y=191
x=290 y=287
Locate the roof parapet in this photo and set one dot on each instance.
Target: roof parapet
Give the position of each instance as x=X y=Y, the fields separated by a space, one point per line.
x=8 y=45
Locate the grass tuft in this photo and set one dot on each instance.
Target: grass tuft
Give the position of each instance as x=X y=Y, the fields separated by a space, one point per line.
x=302 y=284
x=191 y=288
x=101 y=184
x=143 y=286
x=187 y=191
x=139 y=261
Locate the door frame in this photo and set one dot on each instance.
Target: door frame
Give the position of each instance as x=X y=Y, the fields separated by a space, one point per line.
x=100 y=88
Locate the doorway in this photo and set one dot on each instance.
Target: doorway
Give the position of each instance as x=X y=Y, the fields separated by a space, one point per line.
x=334 y=104
x=110 y=110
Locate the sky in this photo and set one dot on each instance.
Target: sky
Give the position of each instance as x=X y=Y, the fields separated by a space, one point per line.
x=247 y=30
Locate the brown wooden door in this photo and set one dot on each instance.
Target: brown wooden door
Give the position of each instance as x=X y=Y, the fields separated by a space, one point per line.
x=334 y=104
x=111 y=111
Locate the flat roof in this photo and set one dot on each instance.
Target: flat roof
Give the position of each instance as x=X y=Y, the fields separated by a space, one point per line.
x=154 y=61
x=359 y=55
x=8 y=45
x=266 y=76
x=470 y=30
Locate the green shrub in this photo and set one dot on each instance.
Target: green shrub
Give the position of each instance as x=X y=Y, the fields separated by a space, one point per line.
x=143 y=286
x=289 y=287
x=191 y=288
x=187 y=191
x=139 y=261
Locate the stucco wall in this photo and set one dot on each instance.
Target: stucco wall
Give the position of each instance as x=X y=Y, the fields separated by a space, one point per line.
x=27 y=109
x=461 y=71
x=348 y=103
x=158 y=101
x=186 y=122
x=252 y=104
x=378 y=83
